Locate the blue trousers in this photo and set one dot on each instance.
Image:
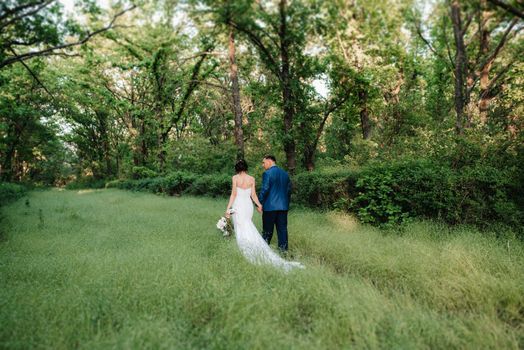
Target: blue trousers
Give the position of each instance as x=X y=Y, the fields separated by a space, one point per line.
x=269 y=220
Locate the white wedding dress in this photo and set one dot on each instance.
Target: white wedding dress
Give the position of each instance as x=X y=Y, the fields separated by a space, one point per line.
x=250 y=242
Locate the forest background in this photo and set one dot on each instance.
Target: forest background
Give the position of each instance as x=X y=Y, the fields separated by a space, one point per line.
x=392 y=110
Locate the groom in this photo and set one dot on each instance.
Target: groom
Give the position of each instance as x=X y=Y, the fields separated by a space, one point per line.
x=274 y=196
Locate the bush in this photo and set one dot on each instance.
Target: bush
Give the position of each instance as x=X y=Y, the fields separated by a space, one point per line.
x=10 y=192
x=142 y=172
x=121 y=184
x=389 y=193
x=477 y=195
x=86 y=182
x=211 y=185
x=198 y=156
x=324 y=189
x=382 y=194
x=487 y=194
x=177 y=183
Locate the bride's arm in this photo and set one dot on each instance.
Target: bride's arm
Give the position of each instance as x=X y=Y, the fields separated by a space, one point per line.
x=254 y=195
x=232 y=196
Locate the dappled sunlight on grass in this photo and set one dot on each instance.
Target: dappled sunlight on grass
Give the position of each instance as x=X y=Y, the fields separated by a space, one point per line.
x=87 y=191
x=346 y=223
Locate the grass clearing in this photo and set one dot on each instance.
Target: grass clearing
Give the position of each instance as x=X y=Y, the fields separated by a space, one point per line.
x=109 y=268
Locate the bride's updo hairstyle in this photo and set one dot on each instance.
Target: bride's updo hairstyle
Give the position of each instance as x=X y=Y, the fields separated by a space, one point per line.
x=240 y=166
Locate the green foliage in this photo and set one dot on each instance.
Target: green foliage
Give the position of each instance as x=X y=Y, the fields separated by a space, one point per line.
x=353 y=83
x=28 y=133
x=177 y=183
x=389 y=193
x=477 y=195
x=383 y=194
x=10 y=192
x=199 y=156
x=86 y=182
x=211 y=185
x=141 y=172
x=325 y=189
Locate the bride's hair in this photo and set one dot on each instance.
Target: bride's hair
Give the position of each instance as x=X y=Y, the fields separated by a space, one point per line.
x=240 y=166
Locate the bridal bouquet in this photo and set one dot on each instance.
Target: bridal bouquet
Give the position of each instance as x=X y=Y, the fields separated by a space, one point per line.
x=225 y=225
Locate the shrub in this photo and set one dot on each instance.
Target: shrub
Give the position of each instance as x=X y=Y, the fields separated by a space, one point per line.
x=178 y=182
x=197 y=155
x=142 y=172
x=324 y=189
x=86 y=182
x=212 y=185
x=122 y=184
x=391 y=192
x=478 y=195
x=382 y=194
x=10 y=192
x=488 y=194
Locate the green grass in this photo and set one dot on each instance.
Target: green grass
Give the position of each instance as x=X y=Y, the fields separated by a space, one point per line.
x=113 y=269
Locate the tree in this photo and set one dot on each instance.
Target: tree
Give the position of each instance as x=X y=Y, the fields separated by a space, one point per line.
x=28 y=133
x=479 y=66
x=38 y=23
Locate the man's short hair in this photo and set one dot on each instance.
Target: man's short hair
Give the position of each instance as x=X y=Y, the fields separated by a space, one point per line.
x=269 y=156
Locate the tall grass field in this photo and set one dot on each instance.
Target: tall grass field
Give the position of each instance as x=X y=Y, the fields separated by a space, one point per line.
x=100 y=269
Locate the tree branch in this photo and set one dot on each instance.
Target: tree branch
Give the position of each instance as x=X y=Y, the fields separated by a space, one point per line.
x=448 y=49
x=419 y=32
x=22 y=15
x=497 y=77
x=468 y=22
x=273 y=65
x=51 y=50
x=501 y=43
x=330 y=108
x=33 y=75
x=193 y=83
x=19 y=8
x=508 y=8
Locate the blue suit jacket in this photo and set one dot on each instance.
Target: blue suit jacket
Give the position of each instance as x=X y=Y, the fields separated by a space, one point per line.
x=275 y=192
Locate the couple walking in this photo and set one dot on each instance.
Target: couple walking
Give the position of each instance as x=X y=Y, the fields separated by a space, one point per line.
x=272 y=201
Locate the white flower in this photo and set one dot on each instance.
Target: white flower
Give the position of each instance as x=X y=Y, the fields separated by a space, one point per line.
x=221 y=224
x=224 y=226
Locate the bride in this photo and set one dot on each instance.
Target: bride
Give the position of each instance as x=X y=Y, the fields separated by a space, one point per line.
x=250 y=242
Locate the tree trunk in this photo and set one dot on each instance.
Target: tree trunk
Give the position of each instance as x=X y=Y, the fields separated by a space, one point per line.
x=311 y=148
x=143 y=144
x=460 y=66
x=162 y=154
x=309 y=158
x=484 y=74
x=135 y=141
x=164 y=130
x=7 y=166
x=104 y=141
x=287 y=94
x=364 y=114
x=235 y=90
